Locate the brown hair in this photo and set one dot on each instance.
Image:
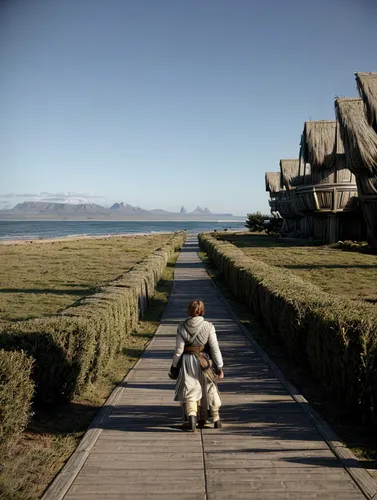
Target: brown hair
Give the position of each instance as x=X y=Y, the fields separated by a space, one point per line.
x=196 y=308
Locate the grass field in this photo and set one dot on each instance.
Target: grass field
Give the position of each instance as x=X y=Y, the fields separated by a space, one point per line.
x=32 y=460
x=40 y=279
x=345 y=273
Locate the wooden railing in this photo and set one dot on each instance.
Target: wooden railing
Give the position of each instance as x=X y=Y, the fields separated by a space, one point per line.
x=302 y=200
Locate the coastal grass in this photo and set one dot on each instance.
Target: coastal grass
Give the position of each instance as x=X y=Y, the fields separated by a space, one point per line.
x=345 y=273
x=30 y=461
x=360 y=437
x=41 y=279
x=16 y=393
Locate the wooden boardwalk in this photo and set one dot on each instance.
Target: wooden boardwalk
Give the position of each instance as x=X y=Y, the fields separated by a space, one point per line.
x=268 y=448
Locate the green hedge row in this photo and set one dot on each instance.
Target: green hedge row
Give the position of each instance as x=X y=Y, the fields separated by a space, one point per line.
x=16 y=392
x=335 y=335
x=72 y=348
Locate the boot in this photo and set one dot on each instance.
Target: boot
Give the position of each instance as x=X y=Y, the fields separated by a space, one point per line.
x=217 y=425
x=192 y=423
x=201 y=424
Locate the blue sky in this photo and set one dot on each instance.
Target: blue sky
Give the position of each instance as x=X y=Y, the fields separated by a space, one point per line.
x=163 y=103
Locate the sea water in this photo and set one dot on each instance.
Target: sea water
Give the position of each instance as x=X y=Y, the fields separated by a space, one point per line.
x=32 y=230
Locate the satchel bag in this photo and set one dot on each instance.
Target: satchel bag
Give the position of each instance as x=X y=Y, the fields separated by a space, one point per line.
x=174 y=371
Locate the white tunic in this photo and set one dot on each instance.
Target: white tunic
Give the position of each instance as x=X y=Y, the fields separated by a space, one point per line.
x=192 y=384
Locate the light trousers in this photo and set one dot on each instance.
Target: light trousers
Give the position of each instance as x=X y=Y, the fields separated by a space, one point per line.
x=192 y=410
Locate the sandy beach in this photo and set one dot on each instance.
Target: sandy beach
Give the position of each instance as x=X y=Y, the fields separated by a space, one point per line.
x=74 y=238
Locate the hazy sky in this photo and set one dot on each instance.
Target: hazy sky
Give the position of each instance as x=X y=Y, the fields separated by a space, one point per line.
x=161 y=103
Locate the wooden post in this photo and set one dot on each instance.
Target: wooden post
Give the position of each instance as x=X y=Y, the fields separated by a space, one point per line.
x=332 y=228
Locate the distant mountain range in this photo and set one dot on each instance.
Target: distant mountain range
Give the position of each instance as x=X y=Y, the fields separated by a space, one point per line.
x=49 y=210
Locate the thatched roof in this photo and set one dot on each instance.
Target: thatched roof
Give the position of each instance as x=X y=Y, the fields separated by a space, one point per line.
x=273 y=182
x=305 y=171
x=289 y=171
x=359 y=139
x=339 y=147
x=367 y=85
x=318 y=143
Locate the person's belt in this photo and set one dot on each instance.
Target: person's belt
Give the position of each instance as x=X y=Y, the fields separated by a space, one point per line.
x=193 y=348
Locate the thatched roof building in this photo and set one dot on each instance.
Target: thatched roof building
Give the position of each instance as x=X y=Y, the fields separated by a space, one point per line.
x=273 y=182
x=318 y=144
x=326 y=187
x=359 y=138
x=289 y=173
x=367 y=85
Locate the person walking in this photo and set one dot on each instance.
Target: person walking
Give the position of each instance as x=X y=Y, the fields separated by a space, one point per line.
x=197 y=364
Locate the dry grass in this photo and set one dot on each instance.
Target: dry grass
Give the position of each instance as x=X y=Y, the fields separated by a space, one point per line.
x=348 y=274
x=30 y=463
x=40 y=279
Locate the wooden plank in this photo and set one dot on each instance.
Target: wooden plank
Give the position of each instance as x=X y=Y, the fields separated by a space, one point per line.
x=272 y=486
x=120 y=475
x=145 y=448
x=169 y=435
x=138 y=487
x=112 y=459
x=291 y=495
x=272 y=464
x=281 y=473
x=260 y=446
x=282 y=454
x=150 y=465
x=135 y=496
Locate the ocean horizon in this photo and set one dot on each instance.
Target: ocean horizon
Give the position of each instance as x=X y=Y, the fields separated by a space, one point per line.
x=50 y=229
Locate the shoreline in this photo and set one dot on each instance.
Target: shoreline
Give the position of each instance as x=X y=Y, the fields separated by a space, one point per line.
x=97 y=237
x=77 y=237
x=27 y=232
x=238 y=219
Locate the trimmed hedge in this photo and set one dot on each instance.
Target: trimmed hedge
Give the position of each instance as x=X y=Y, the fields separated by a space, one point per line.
x=72 y=348
x=336 y=336
x=63 y=349
x=16 y=392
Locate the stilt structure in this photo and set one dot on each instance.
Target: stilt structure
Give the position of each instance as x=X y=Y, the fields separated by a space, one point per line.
x=287 y=206
x=317 y=194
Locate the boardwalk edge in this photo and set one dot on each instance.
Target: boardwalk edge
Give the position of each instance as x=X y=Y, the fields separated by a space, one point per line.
x=361 y=477
x=63 y=481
